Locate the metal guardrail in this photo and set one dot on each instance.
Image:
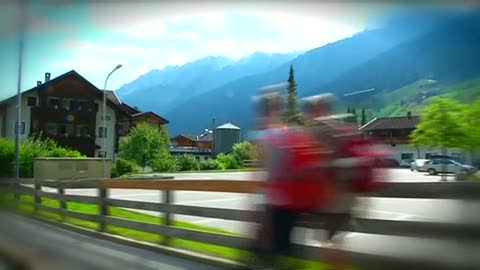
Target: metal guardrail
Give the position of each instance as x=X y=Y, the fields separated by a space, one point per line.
x=439 y=190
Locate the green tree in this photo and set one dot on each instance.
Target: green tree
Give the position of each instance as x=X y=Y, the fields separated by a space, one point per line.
x=364 y=118
x=348 y=110
x=292 y=115
x=470 y=122
x=440 y=125
x=246 y=150
x=144 y=144
x=353 y=111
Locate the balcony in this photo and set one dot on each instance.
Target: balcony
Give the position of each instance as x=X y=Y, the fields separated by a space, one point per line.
x=62 y=115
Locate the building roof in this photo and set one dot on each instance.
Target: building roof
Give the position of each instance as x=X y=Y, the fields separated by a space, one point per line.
x=385 y=123
x=113 y=97
x=228 y=126
x=143 y=114
x=190 y=150
x=206 y=137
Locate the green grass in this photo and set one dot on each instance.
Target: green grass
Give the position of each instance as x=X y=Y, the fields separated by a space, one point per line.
x=25 y=206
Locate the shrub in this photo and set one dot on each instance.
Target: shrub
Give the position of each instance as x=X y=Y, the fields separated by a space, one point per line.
x=228 y=161
x=164 y=163
x=245 y=150
x=123 y=166
x=35 y=147
x=187 y=162
x=7 y=155
x=210 y=164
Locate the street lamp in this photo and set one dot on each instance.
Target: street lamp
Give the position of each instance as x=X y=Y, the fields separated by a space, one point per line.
x=104 y=121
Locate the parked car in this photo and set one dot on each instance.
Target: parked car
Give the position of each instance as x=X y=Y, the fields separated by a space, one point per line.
x=435 y=166
x=417 y=163
x=387 y=163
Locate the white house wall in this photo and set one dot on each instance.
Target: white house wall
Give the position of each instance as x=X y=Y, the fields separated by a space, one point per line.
x=12 y=116
x=421 y=152
x=110 y=130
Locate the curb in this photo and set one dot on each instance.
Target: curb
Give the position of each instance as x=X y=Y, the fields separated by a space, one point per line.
x=185 y=254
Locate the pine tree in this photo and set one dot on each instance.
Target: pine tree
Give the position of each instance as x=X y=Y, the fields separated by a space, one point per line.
x=292 y=114
x=348 y=110
x=364 y=118
x=353 y=111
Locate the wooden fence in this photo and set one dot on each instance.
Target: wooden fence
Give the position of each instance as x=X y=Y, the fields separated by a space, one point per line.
x=252 y=163
x=439 y=190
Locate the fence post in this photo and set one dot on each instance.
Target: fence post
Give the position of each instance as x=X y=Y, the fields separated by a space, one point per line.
x=167 y=217
x=102 y=207
x=63 y=203
x=37 y=199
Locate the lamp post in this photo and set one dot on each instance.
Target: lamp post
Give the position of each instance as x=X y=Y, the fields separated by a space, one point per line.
x=21 y=28
x=104 y=121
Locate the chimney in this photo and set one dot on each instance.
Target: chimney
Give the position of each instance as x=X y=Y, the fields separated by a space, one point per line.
x=409 y=115
x=47 y=76
x=39 y=83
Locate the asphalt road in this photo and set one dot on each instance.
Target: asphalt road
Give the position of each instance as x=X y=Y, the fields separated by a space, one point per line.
x=385 y=208
x=52 y=248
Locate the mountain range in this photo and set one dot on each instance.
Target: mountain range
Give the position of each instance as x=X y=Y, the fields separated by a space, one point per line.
x=404 y=50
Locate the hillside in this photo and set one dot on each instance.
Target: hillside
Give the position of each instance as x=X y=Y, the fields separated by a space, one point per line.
x=385 y=59
x=160 y=90
x=448 y=53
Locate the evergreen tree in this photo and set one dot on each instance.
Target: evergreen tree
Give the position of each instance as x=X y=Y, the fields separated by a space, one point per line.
x=353 y=111
x=348 y=110
x=292 y=115
x=363 y=121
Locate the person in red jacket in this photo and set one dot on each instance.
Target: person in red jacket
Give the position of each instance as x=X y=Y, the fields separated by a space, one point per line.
x=291 y=186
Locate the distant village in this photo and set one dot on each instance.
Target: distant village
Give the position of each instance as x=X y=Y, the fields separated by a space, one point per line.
x=68 y=109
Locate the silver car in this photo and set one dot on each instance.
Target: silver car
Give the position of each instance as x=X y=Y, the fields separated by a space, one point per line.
x=435 y=166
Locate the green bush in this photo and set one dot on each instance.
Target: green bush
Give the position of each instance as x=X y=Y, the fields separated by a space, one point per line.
x=123 y=166
x=7 y=155
x=210 y=164
x=245 y=150
x=165 y=163
x=187 y=163
x=228 y=162
x=35 y=147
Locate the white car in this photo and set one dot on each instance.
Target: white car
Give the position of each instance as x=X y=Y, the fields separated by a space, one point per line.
x=417 y=163
x=435 y=166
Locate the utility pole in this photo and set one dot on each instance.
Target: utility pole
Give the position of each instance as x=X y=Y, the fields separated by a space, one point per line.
x=213 y=136
x=19 y=96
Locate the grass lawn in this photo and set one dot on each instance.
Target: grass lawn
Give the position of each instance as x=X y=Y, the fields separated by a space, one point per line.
x=215 y=250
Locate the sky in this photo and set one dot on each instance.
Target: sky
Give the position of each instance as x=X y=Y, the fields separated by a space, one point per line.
x=93 y=37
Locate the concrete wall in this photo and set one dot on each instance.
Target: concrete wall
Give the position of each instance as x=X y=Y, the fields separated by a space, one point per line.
x=110 y=140
x=12 y=116
x=69 y=168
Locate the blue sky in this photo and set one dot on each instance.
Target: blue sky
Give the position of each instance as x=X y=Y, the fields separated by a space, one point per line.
x=93 y=38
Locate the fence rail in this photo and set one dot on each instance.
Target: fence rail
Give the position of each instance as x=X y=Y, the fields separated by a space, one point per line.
x=440 y=190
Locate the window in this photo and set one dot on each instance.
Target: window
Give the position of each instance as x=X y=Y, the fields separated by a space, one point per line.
x=83 y=131
x=67 y=103
x=32 y=102
x=66 y=129
x=121 y=130
x=102 y=154
x=102 y=132
x=51 y=129
x=53 y=102
x=22 y=128
x=407 y=156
